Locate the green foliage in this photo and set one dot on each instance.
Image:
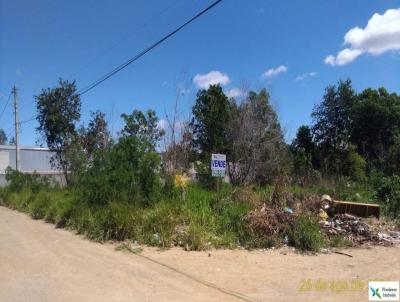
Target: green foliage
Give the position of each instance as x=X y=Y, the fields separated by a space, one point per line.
x=375 y=125
x=39 y=205
x=203 y=174
x=143 y=126
x=304 y=140
x=332 y=120
x=210 y=122
x=58 y=109
x=354 y=165
x=61 y=207
x=332 y=126
x=306 y=234
x=387 y=193
x=158 y=224
x=127 y=172
x=18 y=181
x=96 y=136
x=340 y=241
x=393 y=157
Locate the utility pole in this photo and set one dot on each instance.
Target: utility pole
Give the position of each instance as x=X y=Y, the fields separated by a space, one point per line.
x=16 y=124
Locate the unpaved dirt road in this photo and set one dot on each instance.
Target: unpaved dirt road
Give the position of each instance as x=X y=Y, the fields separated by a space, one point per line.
x=41 y=263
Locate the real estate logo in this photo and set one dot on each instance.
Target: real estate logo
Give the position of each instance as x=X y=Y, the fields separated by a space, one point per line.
x=383 y=290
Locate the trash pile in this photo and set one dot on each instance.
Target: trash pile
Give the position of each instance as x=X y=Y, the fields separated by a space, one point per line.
x=358 y=230
x=269 y=220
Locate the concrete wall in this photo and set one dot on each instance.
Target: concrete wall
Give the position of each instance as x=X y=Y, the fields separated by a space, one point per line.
x=31 y=159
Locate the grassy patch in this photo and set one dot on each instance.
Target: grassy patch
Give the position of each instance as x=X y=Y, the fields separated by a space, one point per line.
x=340 y=242
x=204 y=219
x=306 y=235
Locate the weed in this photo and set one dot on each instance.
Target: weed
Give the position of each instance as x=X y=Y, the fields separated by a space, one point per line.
x=305 y=234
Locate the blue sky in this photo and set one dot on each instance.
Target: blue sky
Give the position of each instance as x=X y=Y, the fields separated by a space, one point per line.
x=280 y=45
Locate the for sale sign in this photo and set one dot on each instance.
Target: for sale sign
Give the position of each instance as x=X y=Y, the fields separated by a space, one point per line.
x=218 y=165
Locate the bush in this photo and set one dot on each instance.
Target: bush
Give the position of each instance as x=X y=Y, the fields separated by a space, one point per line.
x=158 y=223
x=387 y=193
x=17 y=181
x=305 y=234
x=17 y=201
x=61 y=207
x=354 y=165
x=128 y=172
x=40 y=205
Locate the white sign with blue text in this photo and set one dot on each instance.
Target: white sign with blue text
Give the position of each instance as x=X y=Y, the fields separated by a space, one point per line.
x=218 y=165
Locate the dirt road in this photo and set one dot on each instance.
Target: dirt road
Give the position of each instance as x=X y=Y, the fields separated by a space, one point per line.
x=41 y=263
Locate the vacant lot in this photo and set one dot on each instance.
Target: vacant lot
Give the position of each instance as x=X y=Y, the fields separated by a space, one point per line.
x=40 y=263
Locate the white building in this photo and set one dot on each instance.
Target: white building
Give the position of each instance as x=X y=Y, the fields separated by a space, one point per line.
x=31 y=159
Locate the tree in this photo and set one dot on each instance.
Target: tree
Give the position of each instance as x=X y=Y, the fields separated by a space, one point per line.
x=143 y=126
x=332 y=125
x=304 y=140
x=304 y=154
x=210 y=123
x=96 y=136
x=211 y=115
x=58 y=109
x=3 y=137
x=255 y=140
x=127 y=172
x=376 y=124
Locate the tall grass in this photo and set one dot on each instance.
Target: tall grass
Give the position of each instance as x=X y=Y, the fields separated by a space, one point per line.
x=202 y=220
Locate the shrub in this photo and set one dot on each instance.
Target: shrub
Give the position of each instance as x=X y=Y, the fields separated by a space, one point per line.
x=158 y=223
x=197 y=237
x=387 y=193
x=305 y=234
x=17 y=181
x=61 y=207
x=18 y=201
x=40 y=205
x=128 y=172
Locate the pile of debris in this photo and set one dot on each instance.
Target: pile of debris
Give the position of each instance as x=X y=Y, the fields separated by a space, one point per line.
x=358 y=230
x=269 y=220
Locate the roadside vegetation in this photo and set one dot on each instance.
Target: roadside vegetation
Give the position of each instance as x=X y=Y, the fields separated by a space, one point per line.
x=124 y=188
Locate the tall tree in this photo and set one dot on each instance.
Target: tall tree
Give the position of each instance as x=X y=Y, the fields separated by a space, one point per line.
x=304 y=140
x=304 y=154
x=3 y=137
x=211 y=114
x=58 y=110
x=96 y=136
x=332 y=124
x=142 y=125
x=255 y=140
x=376 y=124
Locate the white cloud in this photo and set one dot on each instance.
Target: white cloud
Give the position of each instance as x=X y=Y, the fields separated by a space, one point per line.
x=212 y=78
x=305 y=76
x=274 y=71
x=235 y=92
x=381 y=34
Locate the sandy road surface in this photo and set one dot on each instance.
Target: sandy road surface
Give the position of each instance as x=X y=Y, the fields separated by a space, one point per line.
x=41 y=263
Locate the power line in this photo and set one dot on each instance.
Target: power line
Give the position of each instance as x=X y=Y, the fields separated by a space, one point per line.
x=28 y=120
x=138 y=56
x=5 y=106
x=142 y=53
